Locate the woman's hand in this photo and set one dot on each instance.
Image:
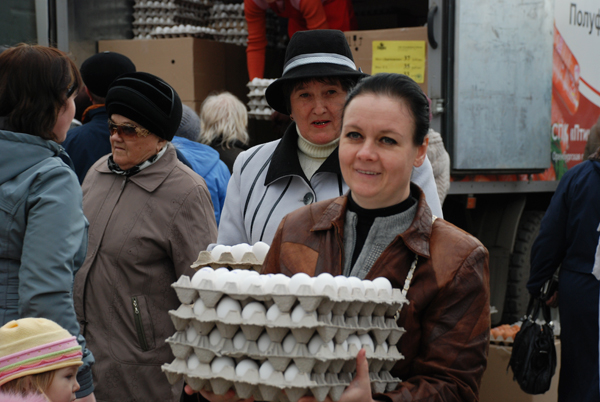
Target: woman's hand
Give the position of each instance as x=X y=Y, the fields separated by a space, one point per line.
x=209 y=396
x=359 y=389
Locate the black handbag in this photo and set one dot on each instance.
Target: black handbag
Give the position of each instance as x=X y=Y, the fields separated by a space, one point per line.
x=533 y=357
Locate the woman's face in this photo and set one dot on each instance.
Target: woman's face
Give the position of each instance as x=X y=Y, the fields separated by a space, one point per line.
x=131 y=150
x=377 y=151
x=64 y=120
x=317 y=110
x=63 y=385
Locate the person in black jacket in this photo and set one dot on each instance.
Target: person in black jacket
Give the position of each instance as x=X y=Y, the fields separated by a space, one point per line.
x=569 y=238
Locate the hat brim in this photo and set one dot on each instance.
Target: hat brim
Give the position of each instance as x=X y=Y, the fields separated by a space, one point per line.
x=274 y=93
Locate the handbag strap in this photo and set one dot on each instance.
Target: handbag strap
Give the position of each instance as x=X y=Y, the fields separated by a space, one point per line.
x=411 y=273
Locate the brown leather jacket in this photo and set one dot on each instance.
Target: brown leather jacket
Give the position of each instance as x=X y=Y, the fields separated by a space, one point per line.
x=448 y=319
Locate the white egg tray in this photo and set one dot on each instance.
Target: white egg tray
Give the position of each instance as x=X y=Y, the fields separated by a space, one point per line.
x=170 y=4
x=261 y=114
x=344 y=301
x=259 y=82
x=274 y=388
x=248 y=261
x=329 y=327
x=258 y=102
x=324 y=360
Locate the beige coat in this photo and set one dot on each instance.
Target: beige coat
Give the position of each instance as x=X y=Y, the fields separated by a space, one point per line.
x=144 y=233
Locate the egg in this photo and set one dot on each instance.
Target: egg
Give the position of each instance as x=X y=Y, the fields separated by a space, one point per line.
x=366 y=340
x=222 y=278
x=199 y=307
x=356 y=283
x=298 y=313
x=324 y=280
x=260 y=250
x=385 y=346
x=191 y=334
x=251 y=309
x=368 y=285
x=316 y=342
x=265 y=370
x=259 y=280
x=383 y=284
x=274 y=280
x=273 y=313
x=219 y=363
x=221 y=270
x=342 y=283
x=264 y=342
x=291 y=372
x=245 y=365
x=289 y=342
x=344 y=346
x=218 y=250
x=193 y=361
x=214 y=337
x=354 y=340
x=239 y=340
x=239 y=250
x=227 y=304
x=298 y=280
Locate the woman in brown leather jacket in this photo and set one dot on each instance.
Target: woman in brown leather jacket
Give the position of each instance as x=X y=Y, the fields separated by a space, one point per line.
x=383 y=227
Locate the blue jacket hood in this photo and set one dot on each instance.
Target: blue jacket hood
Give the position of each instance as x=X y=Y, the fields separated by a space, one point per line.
x=17 y=154
x=202 y=157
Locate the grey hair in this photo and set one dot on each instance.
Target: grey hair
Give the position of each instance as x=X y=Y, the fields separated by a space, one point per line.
x=223 y=115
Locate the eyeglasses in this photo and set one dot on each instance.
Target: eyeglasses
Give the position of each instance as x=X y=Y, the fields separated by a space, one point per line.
x=126 y=130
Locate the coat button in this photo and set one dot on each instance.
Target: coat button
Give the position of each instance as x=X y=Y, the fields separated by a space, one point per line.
x=308 y=198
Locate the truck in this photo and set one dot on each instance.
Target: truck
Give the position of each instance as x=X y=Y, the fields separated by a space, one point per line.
x=514 y=95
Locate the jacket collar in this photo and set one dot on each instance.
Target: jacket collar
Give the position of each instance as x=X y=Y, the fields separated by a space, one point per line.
x=285 y=159
x=153 y=176
x=416 y=237
x=94 y=112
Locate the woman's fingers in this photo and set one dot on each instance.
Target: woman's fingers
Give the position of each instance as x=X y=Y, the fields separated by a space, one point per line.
x=359 y=389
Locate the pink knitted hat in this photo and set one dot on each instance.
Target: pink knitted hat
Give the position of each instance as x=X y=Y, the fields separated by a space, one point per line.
x=35 y=345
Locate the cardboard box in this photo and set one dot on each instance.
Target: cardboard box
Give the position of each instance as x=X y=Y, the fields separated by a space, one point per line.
x=194 y=67
x=497 y=384
x=399 y=56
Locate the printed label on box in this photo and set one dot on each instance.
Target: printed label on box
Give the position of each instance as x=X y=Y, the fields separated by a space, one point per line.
x=400 y=56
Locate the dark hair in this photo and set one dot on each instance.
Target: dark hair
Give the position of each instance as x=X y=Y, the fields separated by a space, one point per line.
x=401 y=87
x=347 y=83
x=35 y=83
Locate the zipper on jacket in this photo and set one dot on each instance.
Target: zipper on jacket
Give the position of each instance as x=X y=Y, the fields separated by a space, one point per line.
x=139 y=325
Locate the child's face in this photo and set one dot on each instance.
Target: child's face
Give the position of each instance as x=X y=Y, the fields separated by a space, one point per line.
x=64 y=385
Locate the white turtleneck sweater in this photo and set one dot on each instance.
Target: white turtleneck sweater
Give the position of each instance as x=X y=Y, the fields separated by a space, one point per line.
x=311 y=156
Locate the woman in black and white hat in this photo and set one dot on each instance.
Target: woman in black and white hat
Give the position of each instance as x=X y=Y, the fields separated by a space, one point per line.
x=271 y=180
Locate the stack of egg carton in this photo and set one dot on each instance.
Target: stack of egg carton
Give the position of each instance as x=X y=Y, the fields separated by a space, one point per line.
x=259 y=108
x=229 y=23
x=239 y=256
x=160 y=18
x=277 y=338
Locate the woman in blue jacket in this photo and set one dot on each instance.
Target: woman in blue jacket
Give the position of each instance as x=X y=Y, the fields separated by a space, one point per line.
x=569 y=238
x=43 y=232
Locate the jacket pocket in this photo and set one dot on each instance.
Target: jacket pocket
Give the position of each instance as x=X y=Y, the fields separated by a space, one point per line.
x=143 y=323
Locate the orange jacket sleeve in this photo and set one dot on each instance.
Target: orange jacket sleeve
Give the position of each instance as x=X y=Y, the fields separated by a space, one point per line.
x=257 y=39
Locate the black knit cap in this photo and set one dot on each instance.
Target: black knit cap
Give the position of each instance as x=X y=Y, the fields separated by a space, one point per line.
x=147 y=100
x=313 y=54
x=100 y=70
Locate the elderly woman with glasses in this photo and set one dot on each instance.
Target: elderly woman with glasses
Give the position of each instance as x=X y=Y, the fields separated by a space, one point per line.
x=149 y=217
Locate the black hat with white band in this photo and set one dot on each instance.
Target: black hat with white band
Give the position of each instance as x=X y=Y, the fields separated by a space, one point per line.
x=319 y=53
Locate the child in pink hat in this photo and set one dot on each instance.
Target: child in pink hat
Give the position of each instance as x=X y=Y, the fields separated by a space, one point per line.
x=38 y=358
